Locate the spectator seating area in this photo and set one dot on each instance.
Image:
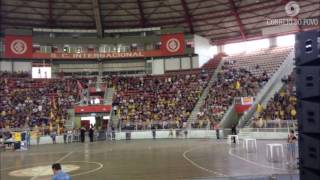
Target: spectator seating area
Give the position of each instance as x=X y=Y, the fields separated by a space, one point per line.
x=258 y=62
x=281 y=107
x=242 y=75
x=214 y=62
x=164 y=100
x=140 y=101
x=27 y=102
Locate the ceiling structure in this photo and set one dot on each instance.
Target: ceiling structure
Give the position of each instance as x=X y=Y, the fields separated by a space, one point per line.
x=218 y=20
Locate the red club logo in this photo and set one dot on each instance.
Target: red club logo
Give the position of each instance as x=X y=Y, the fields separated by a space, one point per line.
x=173 y=45
x=18 y=46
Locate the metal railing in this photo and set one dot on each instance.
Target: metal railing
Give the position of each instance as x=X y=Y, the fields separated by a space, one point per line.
x=264 y=130
x=274 y=124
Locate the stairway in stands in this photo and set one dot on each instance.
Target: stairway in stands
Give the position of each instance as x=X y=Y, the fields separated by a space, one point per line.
x=213 y=64
x=108 y=96
x=114 y=119
x=69 y=122
x=276 y=61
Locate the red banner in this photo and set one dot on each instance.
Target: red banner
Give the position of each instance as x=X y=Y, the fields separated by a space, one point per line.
x=18 y=46
x=241 y=108
x=92 y=109
x=172 y=44
x=97 y=55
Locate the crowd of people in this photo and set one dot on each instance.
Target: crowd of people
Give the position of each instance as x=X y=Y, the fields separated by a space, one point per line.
x=26 y=102
x=280 y=107
x=139 y=102
x=230 y=83
x=162 y=101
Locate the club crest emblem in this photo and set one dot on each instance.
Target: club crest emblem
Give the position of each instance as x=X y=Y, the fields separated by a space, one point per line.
x=18 y=46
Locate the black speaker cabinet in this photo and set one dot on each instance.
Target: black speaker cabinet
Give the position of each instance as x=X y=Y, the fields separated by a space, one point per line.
x=307 y=48
x=307 y=51
x=308 y=116
x=308 y=81
x=306 y=174
x=310 y=151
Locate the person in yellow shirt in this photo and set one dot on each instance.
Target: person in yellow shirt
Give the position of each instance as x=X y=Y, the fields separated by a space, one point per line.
x=293 y=114
x=282 y=114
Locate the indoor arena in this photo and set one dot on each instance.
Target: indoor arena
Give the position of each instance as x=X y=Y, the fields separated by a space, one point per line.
x=160 y=90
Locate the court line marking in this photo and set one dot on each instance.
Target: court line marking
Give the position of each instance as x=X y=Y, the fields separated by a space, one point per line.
x=59 y=160
x=38 y=153
x=88 y=172
x=197 y=165
x=24 y=166
x=254 y=163
x=64 y=157
x=77 y=174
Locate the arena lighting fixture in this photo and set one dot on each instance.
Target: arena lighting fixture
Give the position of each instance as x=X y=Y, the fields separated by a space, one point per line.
x=64 y=30
x=132 y=30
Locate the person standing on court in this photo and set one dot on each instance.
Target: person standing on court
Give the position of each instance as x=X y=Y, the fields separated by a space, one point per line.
x=291 y=147
x=65 y=135
x=58 y=174
x=53 y=136
x=91 y=133
x=216 y=127
x=38 y=134
x=82 y=134
x=153 y=129
x=234 y=132
x=113 y=133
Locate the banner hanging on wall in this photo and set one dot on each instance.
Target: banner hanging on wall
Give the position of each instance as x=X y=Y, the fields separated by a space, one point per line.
x=247 y=100
x=18 y=46
x=172 y=44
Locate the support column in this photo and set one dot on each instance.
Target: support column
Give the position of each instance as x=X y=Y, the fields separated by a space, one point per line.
x=273 y=41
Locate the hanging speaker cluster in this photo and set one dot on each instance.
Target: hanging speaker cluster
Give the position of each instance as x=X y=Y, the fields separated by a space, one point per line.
x=307 y=51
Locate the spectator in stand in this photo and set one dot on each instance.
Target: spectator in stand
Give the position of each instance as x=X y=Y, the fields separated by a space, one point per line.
x=27 y=102
x=230 y=83
x=159 y=100
x=281 y=107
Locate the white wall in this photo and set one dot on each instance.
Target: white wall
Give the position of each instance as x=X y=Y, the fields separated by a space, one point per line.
x=203 y=48
x=6 y=66
x=186 y=63
x=164 y=134
x=158 y=66
x=172 y=64
x=195 y=62
x=15 y=66
x=22 y=66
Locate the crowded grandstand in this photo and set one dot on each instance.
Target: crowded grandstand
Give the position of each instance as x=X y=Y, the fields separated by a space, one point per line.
x=185 y=72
